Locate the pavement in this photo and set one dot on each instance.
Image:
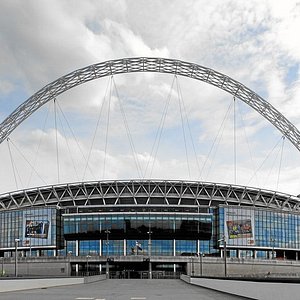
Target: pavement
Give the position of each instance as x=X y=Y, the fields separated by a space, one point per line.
x=122 y=289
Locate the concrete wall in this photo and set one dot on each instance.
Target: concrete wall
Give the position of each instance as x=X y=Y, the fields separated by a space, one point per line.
x=249 y=289
x=241 y=267
x=8 y=285
x=38 y=268
x=60 y=266
x=96 y=278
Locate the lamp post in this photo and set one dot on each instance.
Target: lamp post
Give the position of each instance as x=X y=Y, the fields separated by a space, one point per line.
x=201 y=263
x=273 y=245
x=69 y=263
x=87 y=265
x=223 y=240
x=107 y=258
x=192 y=263
x=30 y=246
x=149 y=252
x=16 y=256
x=2 y=266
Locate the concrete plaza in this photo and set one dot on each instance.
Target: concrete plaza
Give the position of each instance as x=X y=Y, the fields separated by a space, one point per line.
x=122 y=290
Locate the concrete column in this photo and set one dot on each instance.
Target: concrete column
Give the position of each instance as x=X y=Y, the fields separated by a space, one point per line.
x=100 y=247
x=124 y=247
x=174 y=247
x=77 y=248
x=254 y=254
x=198 y=246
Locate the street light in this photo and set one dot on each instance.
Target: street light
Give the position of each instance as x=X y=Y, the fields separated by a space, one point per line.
x=87 y=264
x=2 y=264
x=107 y=260
x=223 y=240
x=69 y=263
x=149 y=252
x=201 y=263
x=273 y=245
x=192 y=265
x=16 y=256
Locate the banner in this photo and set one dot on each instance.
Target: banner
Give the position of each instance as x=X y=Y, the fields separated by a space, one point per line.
x=37 y=229
x=239 y=226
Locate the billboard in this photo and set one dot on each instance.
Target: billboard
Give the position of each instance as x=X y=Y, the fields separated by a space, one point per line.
x=239 y=226
x=36 y=227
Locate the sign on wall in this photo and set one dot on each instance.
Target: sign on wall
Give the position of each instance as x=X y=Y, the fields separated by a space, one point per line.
x=37 y=227
x=239 y=226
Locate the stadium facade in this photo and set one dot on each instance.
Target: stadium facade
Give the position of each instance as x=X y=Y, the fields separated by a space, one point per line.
x=147 y=217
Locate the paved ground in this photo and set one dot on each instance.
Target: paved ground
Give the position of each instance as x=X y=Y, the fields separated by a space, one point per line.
x=115 y=289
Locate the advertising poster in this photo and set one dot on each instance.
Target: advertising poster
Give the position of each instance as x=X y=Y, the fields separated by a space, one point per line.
x=239 y=226
x=36 y=228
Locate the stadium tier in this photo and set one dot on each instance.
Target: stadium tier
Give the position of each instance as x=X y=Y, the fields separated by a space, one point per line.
x=146 y=217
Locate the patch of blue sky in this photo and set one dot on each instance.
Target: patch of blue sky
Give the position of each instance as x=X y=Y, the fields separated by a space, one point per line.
x=292 y=73
x=11 y=100
x=94 y=26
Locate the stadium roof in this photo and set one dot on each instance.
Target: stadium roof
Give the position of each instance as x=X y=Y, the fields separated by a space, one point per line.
x=147 y=193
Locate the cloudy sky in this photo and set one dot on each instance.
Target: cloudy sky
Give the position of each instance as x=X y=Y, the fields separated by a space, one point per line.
x=178 y=128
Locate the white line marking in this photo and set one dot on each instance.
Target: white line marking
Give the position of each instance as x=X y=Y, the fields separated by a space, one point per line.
x=138 y=298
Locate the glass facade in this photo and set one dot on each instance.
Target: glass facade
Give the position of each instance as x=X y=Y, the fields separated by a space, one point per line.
x=260 y=229
x=130 y=234
x=33 y=228
x=138 y=226
x=250 y=232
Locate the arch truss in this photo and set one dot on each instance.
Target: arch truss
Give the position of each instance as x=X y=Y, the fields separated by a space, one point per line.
x=148 y=193
x=147 y=64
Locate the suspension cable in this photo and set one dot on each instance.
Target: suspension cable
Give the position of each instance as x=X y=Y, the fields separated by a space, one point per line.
x=247 y=141
x=109 y=83
x=189 y=129
x=107 y=130
x=159 y=131
x=219 y=133
x=271 y=168
x=56 y=140
x=39 y=145
x=234 y=141
x=12 y=163
x=128 y=132
x=28 y=162
x=74 y=137
x=264 y=160
x=68 y=146
x=183 y=130
x=279 y=170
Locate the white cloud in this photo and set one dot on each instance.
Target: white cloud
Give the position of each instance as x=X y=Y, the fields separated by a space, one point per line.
x=254 y=42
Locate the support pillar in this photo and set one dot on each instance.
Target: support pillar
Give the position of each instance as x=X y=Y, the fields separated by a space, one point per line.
x=77 y=248
x=174 y=247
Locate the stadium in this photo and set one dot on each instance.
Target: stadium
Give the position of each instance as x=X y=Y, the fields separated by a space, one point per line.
x=147 y=226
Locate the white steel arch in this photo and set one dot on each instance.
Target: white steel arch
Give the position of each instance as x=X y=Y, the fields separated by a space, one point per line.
x=147 y=64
